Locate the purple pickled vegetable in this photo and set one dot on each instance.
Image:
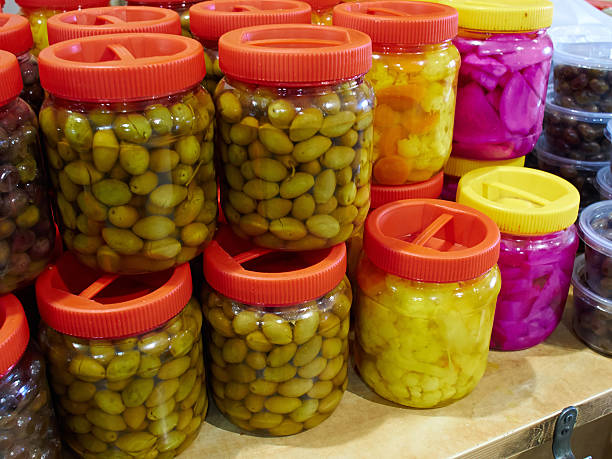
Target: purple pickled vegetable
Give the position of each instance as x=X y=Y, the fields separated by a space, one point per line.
x=537 y=78
x=475 y=119
x=502 y=150
x=494 y=98
x=486 y=80
x=518 y=106
x=485 y=64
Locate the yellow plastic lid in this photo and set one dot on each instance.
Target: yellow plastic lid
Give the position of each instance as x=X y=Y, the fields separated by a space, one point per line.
x=502 y=15
x=458 y=167
x=522 y=201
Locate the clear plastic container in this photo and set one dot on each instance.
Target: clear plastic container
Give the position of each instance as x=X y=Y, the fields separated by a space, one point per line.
x=535 y=212
x=505 y=62
x=581 y=174
x=414 y=74
x=576 y=134
x=595 y=228
x=277 y=332
x=180 y=6
x=428 y=284
x=125 y=359
x=211 y=19
x=38 y=11
x=112 y=19
x=295 y=134
x=131 y=151
x=592 y=313
x=456 y=168
x=27 y=233
x=604 y=183
x=27 y=422
x=16 y=37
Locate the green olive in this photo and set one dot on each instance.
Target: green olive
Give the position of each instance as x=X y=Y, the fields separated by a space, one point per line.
x=132 y=127
x=160 y=118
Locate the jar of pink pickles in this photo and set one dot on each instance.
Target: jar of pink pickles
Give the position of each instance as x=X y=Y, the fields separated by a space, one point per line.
x=505 y=62
x=535 y=212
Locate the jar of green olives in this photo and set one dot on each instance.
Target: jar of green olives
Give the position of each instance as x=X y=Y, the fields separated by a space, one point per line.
x=277 y=332
x=180 y=6
x=211 y=19
x=131 y=150
x=27 y=232
x=295 y=134
x=125 y=359
x=27 y=421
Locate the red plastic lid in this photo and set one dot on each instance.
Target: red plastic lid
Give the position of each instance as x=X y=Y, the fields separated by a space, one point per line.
x=431 y=240
x=295 y=54
x=62 y=5
x=429 y=189
x=10 y=77
x=112 y=19
x=14 y=333
x=253 y=275
x=322 y=5
x=601 y=4
x=210 y=20
x=399 y=22
x=15 y=34
x=76 y=300
x=121 y=67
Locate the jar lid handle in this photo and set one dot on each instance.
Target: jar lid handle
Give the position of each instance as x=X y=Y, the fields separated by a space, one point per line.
x=98 y=285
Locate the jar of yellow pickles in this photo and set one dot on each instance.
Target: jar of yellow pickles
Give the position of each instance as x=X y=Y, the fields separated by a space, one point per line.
x=414 y=74
x=322 y=11
x=428 y=284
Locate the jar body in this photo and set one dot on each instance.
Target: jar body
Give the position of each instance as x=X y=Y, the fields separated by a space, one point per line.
x=181 y=7
x=297 y=162
x=501 y=94
x=413 y=120
x=27 y=422
x=32 y=91
x=142 y=394
x=278 y=370
x=213 y=71
x=322 y=16
x=536 y=273
x=38 y=24
x=27 y=229
x=422 y=344
x=135 y=182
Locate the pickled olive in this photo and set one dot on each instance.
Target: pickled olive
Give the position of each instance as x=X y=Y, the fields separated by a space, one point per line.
x=105 y=150
x=281 y=113
x=306 y=124
x=77 y=132
x=229 y=108
x=288 y=229
x=132 y=127
x=159 y=118
x=303 y=207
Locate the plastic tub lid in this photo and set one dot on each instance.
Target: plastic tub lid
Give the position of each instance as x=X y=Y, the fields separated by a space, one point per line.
x=121 y=67
x=10 y=77
x=604 y=182
x=585 y=33
x=576 y=115
x=502 y=15
x=399 y=22
x=210 y=20
x=112 y=19
x=608 y=130
x=295 y=54
x=458 y=167
x=15 y=34
x=431 y=240
x=602 y=212
x=522 y=201
x=79 y=301
x=63 y=5
x=590 y=55
x=14 y=333
x=582 y=288
x=541 y=152
x=429 y=189
x=253 y=275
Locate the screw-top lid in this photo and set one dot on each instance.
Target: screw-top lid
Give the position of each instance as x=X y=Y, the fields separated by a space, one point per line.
x=14 y=333
x=121 y=67
x=112 y=19
x=431 y=240
x=76 y=300
x=429 y=189
x=15 y=34
x=62 y=5
x=458 y=167
x=502 y=15
x=10 y=77
x=399 y=22
x=595 y=227
x=264 y=277
x=295 y=54
x=522 y=201
x=210 y=20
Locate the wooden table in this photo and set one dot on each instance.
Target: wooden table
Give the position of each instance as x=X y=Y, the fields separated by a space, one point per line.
x=513 y=409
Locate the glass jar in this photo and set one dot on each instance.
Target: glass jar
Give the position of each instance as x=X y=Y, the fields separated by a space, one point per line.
x=295 y=134
x=26 y=227
x=27 y=421
x=414 y=75
x=505 y=62
x=112 y=19
x=16 y=37
x=38 y=11
x=125 y=359
x=211 y=19
x=456 y=168
x=180 y=6
x=132 y=163
x=277 y=332
x=535 y=212
x=428 y=283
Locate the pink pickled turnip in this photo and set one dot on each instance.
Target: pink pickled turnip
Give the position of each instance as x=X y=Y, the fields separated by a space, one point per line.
x=475 y=118
x=494 y=97
x=485 y=64
x=537 y=78
x=518 y=106
x=480 y=150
